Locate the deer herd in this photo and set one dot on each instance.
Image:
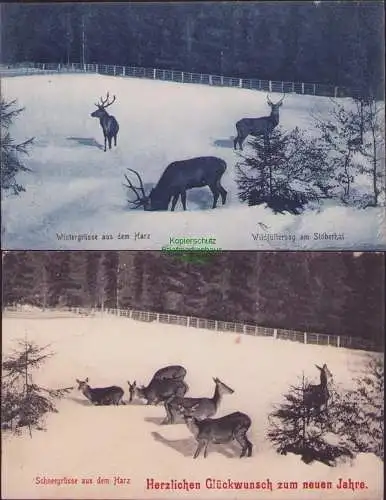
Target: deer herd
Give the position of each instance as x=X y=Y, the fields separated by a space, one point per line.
x=168 y=387
x=180 y=176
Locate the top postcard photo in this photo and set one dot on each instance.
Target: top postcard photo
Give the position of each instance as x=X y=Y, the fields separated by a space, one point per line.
x=193 y=126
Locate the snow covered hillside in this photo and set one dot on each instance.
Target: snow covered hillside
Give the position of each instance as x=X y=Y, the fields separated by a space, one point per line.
x=77 y=189
x=83 y=441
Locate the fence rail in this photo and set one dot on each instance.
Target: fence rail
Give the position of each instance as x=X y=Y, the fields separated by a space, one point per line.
x=317 y=89
x=219 y=326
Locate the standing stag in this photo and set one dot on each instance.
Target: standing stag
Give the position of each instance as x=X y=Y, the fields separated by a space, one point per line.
x=108 y=122
x=177 y=178
x=316 y=396
x=262 y=126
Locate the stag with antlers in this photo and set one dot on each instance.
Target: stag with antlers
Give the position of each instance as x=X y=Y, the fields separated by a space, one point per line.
x=177 y=178
x=262 y=126
x=108 y=122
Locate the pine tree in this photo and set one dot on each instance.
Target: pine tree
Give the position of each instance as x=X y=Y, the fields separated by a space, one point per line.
x=11 y=152
x=23 y=402
x=286 y=172
x=315 y=438
x=361 y=411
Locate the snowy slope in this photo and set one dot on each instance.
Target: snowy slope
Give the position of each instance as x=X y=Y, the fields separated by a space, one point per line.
x=76 y=188
x=85 y=441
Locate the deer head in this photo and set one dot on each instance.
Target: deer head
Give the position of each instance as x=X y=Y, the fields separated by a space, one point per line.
x=82 y=384
x=102 y=105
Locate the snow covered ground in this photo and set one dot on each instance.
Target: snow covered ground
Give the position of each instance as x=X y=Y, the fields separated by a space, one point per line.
x=77 y=189
x=83 y=441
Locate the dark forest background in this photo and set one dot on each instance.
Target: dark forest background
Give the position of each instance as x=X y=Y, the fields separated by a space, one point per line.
x=338 y=42
x=326 y=292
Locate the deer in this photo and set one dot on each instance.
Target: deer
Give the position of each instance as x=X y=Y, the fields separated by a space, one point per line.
x=158 y=390
x=108 y=122
x=176 y=179
x=172 y=372
x=316 y=396
x=101 y=395
x=262 y=126
x=221 y=431
x=198 y=407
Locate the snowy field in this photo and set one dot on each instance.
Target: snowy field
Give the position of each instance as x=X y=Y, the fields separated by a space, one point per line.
x=83 y=441
x=77 y=189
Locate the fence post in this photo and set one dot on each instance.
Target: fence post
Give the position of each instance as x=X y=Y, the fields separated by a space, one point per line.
x=96 y=68
x=270 y=85
x=302 y=88
x=293 y=86
x=216 y=325
x=154 y=73
x=210 y=80
x=282 y=87
x=222 y=80
x=115 y=70
x=275 y=333
x=188 y=321
x=44 y=66
x=314 y=88
x=335 y=91
x=338 y=341
x=244 y=329
x=305 y=337
x=241 y=83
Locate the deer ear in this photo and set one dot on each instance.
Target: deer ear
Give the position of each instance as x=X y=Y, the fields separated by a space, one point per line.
x=318 y=367
x=77 y=381
x=86 y=379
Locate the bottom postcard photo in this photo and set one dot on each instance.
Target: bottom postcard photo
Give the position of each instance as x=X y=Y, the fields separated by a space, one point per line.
x=229 y=375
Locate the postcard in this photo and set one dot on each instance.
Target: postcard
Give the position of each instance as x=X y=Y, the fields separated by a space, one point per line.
x=193 y=125
x=140 y=375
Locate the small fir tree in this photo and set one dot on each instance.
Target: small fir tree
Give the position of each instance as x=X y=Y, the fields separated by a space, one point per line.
x=11 y=153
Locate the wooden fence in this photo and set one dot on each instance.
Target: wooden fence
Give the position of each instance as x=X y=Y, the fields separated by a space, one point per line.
x=235 y=327
x=169 y=75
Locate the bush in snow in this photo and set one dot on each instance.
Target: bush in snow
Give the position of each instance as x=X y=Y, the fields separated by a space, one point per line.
x=24 y=403
x=314 y=438
x=286 y=173
x=354 y=136
x=11 y=163
x=361 y=414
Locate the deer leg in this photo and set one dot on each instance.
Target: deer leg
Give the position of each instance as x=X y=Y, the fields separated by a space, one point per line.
x=109 y=138
x=216 y=194
x=183 y=199
x=206 y=449
x=199 y=448
x=174 y=201
x=105 y=143
x=223 y=193
x=115 y=139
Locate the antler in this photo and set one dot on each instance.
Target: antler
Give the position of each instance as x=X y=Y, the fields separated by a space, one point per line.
x=140 y=200
x=278 y=102
x=104 y=102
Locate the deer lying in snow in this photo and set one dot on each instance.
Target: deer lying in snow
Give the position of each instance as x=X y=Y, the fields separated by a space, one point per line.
x=101 y=395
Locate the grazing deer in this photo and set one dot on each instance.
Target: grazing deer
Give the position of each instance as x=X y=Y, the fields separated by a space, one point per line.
x=221 y=431
x=177 y=178
x=317 y=396
x=262 y=126
x=158 y=390
x=172 y=372
x=108 y=122
x=101 y=395
x=198 y=407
